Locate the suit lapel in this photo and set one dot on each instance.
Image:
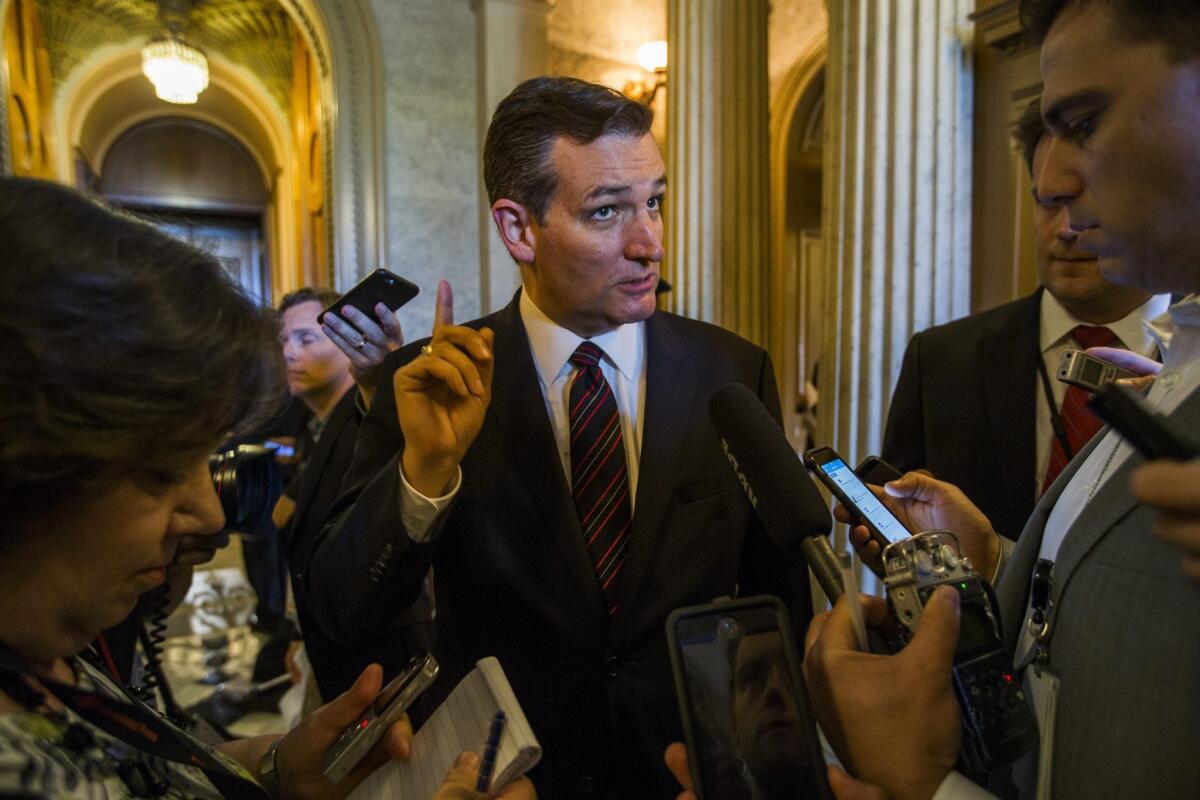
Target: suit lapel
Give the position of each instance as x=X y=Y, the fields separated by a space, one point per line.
x=1108 y=507
x=1007 y=356
x=518 y=406
x=322 y=450
x=670 y=393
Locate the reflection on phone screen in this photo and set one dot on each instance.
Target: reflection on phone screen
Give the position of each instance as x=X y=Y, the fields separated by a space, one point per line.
x=865 y=500
x=750 y=730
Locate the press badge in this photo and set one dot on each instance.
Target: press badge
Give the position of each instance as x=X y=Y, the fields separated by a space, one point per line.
x=1041 y=686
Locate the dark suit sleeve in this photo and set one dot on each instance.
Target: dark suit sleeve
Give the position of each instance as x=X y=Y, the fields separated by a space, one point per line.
x=904 y=436
x=364 y=567
x=764 y=568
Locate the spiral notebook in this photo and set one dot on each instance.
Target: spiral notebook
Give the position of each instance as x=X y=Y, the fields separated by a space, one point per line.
x=460 y=723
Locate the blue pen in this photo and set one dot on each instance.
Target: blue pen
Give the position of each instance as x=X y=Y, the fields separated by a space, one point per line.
x=488 y=764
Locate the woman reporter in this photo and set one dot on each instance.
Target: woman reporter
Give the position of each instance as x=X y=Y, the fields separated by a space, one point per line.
x=126 y=357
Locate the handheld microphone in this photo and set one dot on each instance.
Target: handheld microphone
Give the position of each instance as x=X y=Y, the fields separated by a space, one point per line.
x=779 y=488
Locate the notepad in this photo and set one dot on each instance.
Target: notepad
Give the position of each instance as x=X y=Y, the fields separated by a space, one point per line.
x=460 y=723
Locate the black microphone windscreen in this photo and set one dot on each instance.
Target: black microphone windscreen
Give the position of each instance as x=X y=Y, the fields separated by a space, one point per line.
x=780 y=489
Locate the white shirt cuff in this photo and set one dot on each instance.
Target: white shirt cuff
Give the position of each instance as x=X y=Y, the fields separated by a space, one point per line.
x=956 y=786
x=421 y=514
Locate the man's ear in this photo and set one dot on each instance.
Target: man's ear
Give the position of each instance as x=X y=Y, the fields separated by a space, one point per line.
x=515 y=226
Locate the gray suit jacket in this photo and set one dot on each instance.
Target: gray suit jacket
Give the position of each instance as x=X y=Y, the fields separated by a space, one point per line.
x=1125 y=641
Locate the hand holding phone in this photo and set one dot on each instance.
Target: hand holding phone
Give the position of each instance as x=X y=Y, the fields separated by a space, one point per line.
x=1088 y=372
x=852 y=493
x=746 y=717
x=363 y=325
x=381 y=286
x=385 y=710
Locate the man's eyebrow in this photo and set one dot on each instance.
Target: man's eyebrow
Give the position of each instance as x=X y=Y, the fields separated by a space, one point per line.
x=1062 y=107
x=605 y=190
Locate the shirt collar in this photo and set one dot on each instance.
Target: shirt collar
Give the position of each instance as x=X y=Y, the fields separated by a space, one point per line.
x=1184 y=314
x=552 y=344
x=1133 y=329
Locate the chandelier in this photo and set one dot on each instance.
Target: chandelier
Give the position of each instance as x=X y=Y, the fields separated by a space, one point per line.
x=178 y=71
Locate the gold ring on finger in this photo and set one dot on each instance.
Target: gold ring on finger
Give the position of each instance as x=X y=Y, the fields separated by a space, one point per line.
x=427 y=349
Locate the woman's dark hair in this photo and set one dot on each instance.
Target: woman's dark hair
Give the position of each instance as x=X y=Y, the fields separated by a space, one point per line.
x=1175 y=23
x=516 y=152
x=120 y=348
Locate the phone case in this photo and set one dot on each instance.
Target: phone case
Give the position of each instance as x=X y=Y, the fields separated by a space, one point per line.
x=683 y=691
x=381 y=286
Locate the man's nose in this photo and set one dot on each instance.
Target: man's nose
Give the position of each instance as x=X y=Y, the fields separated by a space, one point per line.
x=644 y=239
x=1059 y=183
x=1062 y=225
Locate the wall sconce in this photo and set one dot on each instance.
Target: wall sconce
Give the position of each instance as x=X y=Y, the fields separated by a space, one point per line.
x=653 y=58
x=178 y=70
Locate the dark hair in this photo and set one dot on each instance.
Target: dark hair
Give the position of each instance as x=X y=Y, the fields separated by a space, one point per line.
x=120 y=347
x=1028 y=132
x=1175 y=23
x=516 y=152
x=308 y=294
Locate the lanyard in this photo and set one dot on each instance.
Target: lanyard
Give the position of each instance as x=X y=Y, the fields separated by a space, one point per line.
x=1060 y=430
x=139 y=726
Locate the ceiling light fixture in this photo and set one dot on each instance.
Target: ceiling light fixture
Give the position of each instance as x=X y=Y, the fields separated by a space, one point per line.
x=178 y=70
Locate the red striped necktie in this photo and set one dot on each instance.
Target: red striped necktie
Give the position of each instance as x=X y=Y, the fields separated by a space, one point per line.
x=1077 y=419
x=599 y=474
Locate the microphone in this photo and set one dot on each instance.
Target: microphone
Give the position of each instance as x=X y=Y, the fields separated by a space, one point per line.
x=779 y=488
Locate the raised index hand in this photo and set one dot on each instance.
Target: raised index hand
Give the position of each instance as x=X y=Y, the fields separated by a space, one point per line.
x=442 y=397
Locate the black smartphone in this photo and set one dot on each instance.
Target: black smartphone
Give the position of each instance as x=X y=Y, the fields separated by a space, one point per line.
x=389 y=705
x=1150 y=433
x=381 y=286
x=749 y=728
x=851 y=492
x=875 y=470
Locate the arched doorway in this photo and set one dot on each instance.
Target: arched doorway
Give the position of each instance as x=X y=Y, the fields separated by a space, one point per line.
x=221 y=209
x=797 y=149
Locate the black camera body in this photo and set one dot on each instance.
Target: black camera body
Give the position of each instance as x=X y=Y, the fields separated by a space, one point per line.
x=998 y=724
x=248 y=484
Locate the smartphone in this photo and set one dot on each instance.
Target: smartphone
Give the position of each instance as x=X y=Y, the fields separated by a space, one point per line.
x=381 y=286
x=749 y=728
x=1151 y=434
x=1077 y=368
x=851 y=492
x=875 y=470
x=388 y=706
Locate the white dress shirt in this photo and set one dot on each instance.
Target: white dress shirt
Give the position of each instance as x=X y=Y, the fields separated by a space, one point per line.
x=1055 y=339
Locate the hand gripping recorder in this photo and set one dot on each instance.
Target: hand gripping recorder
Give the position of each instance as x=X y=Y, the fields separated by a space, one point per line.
x=998 y=725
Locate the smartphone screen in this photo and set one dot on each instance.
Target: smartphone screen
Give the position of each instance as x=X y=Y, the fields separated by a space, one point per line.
x=853 y=493
x=746 y=718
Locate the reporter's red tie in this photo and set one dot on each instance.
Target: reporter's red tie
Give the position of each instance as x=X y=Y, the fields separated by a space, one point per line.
x=1078 y=420
x=599 y=474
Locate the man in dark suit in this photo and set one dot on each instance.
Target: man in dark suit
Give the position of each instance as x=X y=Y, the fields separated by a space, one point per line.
x=572 y=496
x=325 y=380
x=971 y=404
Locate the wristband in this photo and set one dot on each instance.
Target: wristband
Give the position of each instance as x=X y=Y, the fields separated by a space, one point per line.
x=268 y=771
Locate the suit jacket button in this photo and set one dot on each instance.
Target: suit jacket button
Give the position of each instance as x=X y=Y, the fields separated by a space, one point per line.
x=587 y=785
x=612 y=665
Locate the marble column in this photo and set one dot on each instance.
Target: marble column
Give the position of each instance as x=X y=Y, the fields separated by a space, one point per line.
x=718 y=196
x=512 y=45
x=897 y=199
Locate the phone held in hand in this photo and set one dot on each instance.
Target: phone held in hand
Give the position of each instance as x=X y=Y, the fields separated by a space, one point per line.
x=1077 y=368
x=875 y=470
x=385 y=710
x=381 y=286
x=833 y=471
x=750 y=731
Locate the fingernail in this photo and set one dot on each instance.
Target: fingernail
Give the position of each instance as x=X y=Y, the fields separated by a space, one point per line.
x=467 y=760
x=477 y=387
x=951 y=596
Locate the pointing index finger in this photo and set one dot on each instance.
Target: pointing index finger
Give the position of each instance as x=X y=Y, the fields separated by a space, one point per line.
x=443 y=312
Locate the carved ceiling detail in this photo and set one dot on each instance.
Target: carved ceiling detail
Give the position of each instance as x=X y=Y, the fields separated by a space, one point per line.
x=255 y=34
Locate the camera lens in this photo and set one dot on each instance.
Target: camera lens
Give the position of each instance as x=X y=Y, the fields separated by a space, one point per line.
x=727 y=628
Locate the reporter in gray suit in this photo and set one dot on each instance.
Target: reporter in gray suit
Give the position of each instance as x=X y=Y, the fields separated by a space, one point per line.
x=1115 y=668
